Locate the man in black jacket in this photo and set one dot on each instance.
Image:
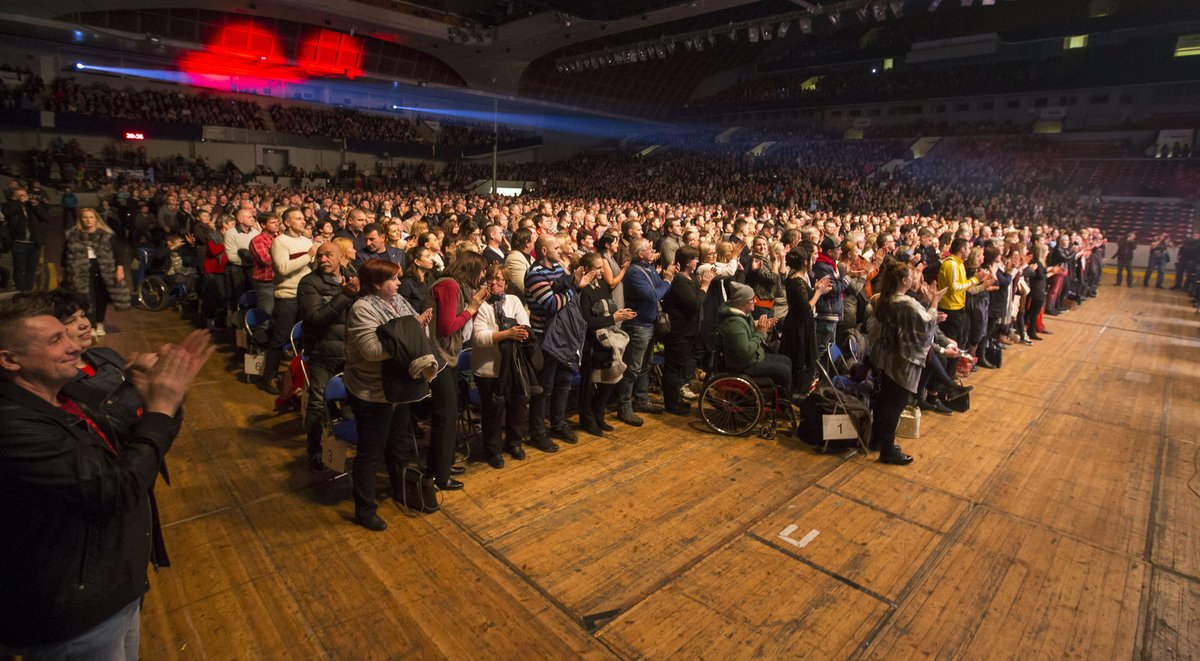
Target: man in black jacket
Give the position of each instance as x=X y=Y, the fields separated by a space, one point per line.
x=323 y=297
x=25 y=225
x=76 y=528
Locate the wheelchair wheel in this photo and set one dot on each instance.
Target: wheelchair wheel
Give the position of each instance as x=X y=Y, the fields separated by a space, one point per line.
x=731 y=405
x=152 y=294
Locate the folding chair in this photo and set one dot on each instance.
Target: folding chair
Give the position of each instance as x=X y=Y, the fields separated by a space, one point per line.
x=298 y=350
x=844 y=411
x=340 y=433
x=254 y=359
x=468 y=394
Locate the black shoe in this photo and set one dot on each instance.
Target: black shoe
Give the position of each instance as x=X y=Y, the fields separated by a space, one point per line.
x=457 y=470
x=679 y=409
x=985 y=364
x=935 y=405
x=630 y=418
x=564 y=433
x=602 y=424
x=647 y=407
x=371 y=522
x=1053 y=313
x=1033 y=336
x=315 y=464
x=516 y=452
x=898 y=459
x=542 y=443
x=589 y=426
x=450 y=484
x=495 y=461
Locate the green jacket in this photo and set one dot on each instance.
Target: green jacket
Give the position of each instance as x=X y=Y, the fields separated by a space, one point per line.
x=739 y=342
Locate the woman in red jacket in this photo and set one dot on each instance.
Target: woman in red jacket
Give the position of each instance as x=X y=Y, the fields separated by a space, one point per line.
x=454 y=298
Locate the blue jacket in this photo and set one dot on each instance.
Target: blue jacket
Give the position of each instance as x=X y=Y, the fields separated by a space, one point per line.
x=643 y=290
x=829 y=306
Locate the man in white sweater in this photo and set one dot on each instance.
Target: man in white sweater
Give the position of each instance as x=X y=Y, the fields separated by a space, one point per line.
x=237 y=251
x=292 y=254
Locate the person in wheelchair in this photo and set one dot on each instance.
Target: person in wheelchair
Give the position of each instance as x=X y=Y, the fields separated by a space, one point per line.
x=741 y=341
x=182 y=270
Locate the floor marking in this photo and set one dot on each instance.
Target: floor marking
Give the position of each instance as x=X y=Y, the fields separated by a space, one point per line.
x=785 y=535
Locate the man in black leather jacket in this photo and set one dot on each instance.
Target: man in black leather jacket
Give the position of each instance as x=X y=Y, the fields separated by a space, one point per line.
x=75 y=532
x=323 y=296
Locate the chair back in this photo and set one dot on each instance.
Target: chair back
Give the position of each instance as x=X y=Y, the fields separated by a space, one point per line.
x=295 y=339
x=247 y=300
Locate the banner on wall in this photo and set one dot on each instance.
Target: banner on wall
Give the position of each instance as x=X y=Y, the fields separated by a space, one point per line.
x=1171 y=137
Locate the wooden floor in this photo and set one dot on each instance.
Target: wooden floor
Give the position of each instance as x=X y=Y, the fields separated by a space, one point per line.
x=1054 y=520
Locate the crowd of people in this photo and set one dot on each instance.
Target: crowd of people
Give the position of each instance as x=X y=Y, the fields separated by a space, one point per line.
x=67 y=95
x=729 y=265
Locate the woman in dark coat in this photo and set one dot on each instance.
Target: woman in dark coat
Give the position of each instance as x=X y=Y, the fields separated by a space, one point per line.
x=682 y=304
x=93 y=266
x=798 y=339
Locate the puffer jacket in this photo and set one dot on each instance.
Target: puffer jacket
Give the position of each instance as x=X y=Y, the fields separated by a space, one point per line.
x=76 y=524
x=740 y=344
x=323 y=308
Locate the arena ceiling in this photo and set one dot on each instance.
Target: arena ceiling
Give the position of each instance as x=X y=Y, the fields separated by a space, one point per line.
x=641 y=57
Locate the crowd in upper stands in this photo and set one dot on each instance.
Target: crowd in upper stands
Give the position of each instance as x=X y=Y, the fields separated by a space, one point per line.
x=173 y=106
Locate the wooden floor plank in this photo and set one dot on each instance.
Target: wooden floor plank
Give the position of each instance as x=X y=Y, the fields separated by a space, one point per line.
x=1177 y=520
x=438 y=591
x=1174 y=629
x=1010 y=589
x=605 y=553
x=891 y=492
x=866 y=545
x=793 y=610
x=1098 y=487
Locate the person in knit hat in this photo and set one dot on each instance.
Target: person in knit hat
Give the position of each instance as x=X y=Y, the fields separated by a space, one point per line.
x=741 y=340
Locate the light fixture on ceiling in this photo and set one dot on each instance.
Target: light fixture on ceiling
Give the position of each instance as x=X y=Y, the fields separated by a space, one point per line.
x=805 y=24
x=782 y=30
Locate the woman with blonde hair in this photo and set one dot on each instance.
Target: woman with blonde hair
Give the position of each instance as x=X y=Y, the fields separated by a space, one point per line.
x=92 y=264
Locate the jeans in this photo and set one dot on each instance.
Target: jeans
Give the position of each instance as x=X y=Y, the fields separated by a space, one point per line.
x=555 y=379
x=636 y=365
x=890 y=400
x=319 y=374
x=382 y=438
x=826 y=332
x=264 y=296
x=115 y=639
x=1125 y=266
x=286 y=310
x=25 y=262
x=777 y=368
x=1156 y=265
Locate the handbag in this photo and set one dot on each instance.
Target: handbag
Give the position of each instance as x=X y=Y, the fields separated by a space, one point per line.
x=910 y=423
x=993 y=353
x=959 y=404
x=964 y=365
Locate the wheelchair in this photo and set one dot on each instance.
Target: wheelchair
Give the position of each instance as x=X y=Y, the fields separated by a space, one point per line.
x=733 y=404
x=151 y=289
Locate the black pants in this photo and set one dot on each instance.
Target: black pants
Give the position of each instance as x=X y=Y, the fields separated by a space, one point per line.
x=1031 y=315
x=382 y=436
x=502 y=412
x=555 y=379
x=956 y=325
x=444 y=389
x=889 y=403
x=283 y=317
x=98 y=293
x=214 y=296
x=679 y=365
x=25 y=263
